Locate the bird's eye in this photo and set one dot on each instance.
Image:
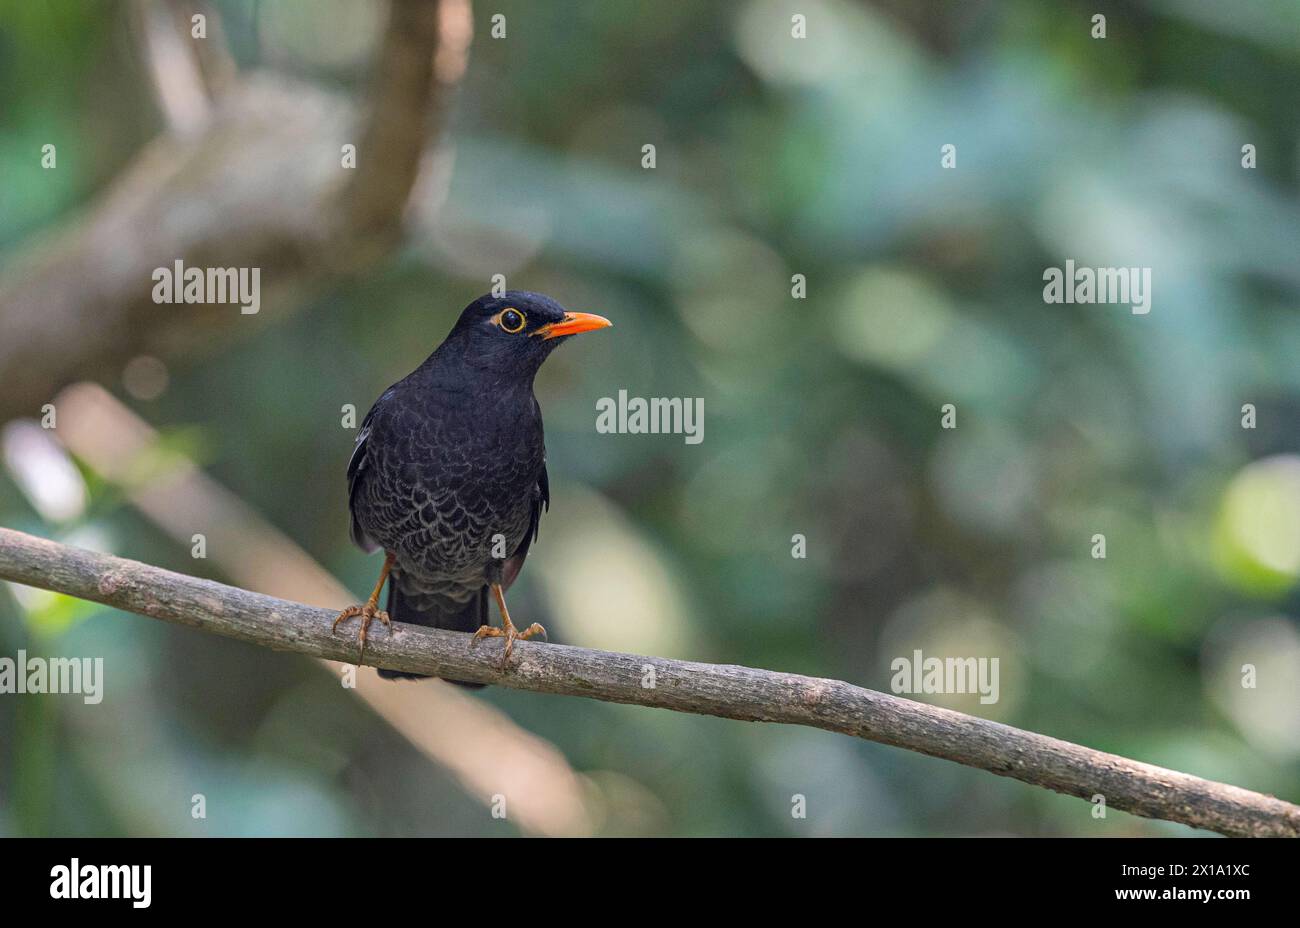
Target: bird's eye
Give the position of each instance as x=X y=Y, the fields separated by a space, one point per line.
x=512 y=320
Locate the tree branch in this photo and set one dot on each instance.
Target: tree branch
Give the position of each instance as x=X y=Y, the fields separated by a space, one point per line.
x=254 y=180
x=683 y=686
x=423 y=57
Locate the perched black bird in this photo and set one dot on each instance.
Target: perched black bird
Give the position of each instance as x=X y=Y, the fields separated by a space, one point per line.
x=448 y=474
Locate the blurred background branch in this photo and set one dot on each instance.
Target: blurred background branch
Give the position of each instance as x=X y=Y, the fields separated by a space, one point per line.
x=263 y=154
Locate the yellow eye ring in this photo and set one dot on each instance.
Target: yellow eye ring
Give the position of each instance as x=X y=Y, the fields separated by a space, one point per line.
x=511 y=320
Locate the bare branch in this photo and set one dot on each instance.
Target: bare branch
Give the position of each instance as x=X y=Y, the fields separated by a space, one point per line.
x=424 y=52
x=173 y=67
x=707 y=689
x=216 y=65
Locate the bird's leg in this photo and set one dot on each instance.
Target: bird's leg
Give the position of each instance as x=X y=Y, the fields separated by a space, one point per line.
x=370 y=611
x=507 y=629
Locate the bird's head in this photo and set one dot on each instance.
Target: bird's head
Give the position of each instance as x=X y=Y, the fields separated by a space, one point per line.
x=517 y=331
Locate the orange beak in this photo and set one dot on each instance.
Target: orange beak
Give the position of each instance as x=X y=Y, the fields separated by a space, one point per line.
x=572 y=324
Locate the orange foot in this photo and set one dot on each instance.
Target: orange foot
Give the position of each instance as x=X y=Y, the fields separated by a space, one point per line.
x=510 y=634
x=369 y=612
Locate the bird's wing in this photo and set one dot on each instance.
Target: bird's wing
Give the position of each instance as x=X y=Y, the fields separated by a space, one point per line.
x=541 y=503
x=356 y=468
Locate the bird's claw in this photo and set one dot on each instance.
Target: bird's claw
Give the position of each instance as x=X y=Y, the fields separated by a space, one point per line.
x=368 y=612
x=511 y=635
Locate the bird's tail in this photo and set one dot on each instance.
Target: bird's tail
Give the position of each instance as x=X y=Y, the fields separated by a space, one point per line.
x=455 y=617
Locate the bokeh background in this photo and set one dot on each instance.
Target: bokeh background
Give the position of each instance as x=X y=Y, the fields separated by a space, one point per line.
x=775 y=157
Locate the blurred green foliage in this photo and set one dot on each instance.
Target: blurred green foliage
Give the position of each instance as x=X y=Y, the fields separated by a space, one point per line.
x=775 y=157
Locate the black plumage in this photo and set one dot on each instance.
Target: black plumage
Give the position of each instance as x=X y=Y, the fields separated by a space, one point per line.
x=448 y=474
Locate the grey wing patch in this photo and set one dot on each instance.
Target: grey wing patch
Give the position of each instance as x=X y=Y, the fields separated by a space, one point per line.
x=541 y=503
x=357 y=466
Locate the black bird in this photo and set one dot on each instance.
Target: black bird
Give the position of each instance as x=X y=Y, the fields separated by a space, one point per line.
x=448 y=475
